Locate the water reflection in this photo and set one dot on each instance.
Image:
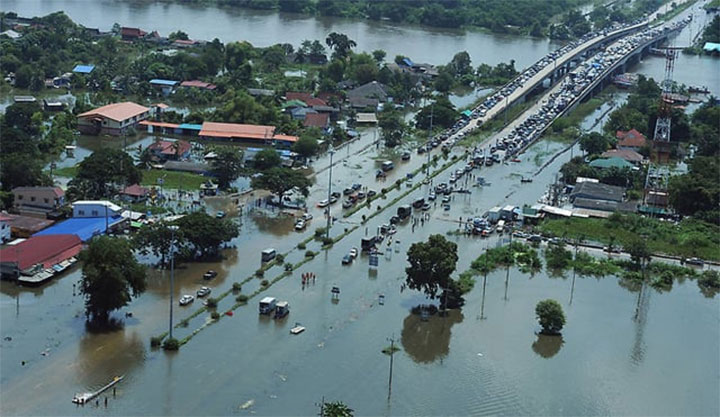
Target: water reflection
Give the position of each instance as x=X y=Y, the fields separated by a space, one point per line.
x=103 y=356
x=547 y=346
x=427 y=341
x=277 y=226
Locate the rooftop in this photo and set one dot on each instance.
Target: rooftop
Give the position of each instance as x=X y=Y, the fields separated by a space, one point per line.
x=171 y=147
x=626 y=154
x=82 y=227
x=316 y=120
x=109 y=204
x=37 y=249
x=27 y=223
x=613 y=162
x=55 y=190
x=135 y=190
x=117 y=111
x=198 y=84
x=598 y=191
x=231 y=130
x=631 y=138
x=83 y=69
x=159 y=81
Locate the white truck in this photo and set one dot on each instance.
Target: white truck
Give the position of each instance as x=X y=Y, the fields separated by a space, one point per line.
x=267 y=305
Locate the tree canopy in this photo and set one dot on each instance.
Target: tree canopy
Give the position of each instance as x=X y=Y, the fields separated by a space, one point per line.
x=281 y=180
x=392 y=126
x=442 y=111
x=266 y=159
x=110 y=277
x=227 y=166
x=340 y=44
x=204 y=234
x=103 y=173
x=550 y=316
x=431 y=264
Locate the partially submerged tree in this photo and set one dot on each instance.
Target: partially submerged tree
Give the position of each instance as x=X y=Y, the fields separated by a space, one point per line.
x=226 y=167
x=111 y=277
x=431 y=264
x=102 y=173
x=206 y=233
x=281 y=180
x=550 y=316
x=335 y=409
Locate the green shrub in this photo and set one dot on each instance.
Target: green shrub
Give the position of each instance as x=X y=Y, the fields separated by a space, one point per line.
x=310 y=254
x=237 y=286
x=301 y=246
x=259 y=273
x=215 y=315
x=155 y=341
x=288 y=266
x=280 y=258
x=320 y=232
x=327 y=241
x=171 y=344
x=264 y=283
x=212 y=302
x=242 y=298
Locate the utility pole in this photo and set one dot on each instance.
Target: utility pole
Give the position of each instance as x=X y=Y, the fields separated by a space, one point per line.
x=432 y=110
x=331 y=151
x=392 y=353
x=482 y=304
x=172 y=274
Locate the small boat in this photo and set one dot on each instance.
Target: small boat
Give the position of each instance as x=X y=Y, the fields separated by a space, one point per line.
x=87 y=396
x=523 y=179
x=297 y=329
x=515 y=160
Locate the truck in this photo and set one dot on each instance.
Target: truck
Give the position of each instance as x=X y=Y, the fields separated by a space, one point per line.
x=268 y=255
x=267 y=305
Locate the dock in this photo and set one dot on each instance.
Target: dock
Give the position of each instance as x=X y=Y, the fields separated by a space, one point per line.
x=84 y=398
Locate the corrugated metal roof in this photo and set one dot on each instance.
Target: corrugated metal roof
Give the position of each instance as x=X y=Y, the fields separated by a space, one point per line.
x=158 y=81
x=83 y=227
x=38 y=248
x=84 y=69
x=117 y=111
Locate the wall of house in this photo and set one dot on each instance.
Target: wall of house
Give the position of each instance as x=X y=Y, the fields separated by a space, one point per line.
x=92 y=210
x=37 y=198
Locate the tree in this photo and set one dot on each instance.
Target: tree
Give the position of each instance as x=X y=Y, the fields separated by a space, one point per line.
x=594 y=143
x=307 y=145
x=226 y=167
x=461 y=64
x=638 y=250
x=340 y=44
x=266 y=159
x=110 y=277
x=281 y=180
x=178 y=35
x=335 y=409
x=392 y=126
x=379 y=55
x=431 y=264
x=442 y=111
x=550 y=316
x=156 y=238
x=101 y=173
x=204 y=234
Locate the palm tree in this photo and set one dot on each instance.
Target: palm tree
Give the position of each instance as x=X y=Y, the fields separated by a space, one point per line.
x=335 y=409
x=340 y=44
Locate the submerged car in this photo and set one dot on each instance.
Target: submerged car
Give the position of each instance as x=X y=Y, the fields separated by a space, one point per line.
x=210 y=274
x=203 y=291
x=186 y=299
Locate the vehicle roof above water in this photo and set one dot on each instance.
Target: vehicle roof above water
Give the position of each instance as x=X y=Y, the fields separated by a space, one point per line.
x=269 y=250
x=282 y=304
x=267 y=300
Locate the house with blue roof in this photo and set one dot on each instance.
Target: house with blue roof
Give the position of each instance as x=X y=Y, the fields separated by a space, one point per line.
x=166 y=86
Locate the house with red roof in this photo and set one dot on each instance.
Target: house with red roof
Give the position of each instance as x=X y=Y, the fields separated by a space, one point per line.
x=170 y=149
x=131 y=34
x=114 y=119
x=319 y=120
x=632 y=140
x=198 y=84
x=134 y=193
x=306 y=98
x=37 y=252
x=235 y=132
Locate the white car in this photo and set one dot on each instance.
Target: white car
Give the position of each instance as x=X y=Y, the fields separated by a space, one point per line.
x=186 y=299
x=307 y=216
x=323 y=203
x=353 y=253
x=300 y=225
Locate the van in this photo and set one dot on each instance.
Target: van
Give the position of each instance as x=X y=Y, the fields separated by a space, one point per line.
x=387 y=166
x=268 y=255
x=404 y=211
x=500 y=226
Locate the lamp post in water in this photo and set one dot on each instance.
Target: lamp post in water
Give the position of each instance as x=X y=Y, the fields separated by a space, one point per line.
x=331 y=151
x=172 y=274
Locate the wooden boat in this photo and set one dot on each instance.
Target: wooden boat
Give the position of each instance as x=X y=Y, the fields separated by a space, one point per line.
x=297 y=329
x=83 y=398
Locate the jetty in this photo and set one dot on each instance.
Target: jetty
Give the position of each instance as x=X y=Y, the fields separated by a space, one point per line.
x=84 y=398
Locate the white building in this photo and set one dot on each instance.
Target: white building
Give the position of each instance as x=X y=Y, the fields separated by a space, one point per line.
x=97 y=208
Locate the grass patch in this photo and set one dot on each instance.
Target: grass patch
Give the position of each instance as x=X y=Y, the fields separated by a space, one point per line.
x=67 y=172
x=172 y=179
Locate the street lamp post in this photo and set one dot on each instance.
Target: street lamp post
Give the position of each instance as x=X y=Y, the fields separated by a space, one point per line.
x=331 y=151
x=172 y=274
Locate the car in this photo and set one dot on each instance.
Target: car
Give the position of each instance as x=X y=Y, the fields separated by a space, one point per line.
x=360 y=195
x=611 y=249
x=446 y=207
x=333 y=199
x=186 y=299
x=371 y=193
x=347 y=260
x=323 y=203
x=446 y=199
x=210 y=274
x=353 y=253
x=557 y=242
x=220 y=214
x=380 y=174
x=356 y=186
x=535 y=239
x=421 y=150
x=406 y=156
x=335 y=194
x=300 y=225
x=695 y=261
x=348 y=191
x=307 y=216
x=203 y=291
x=426 y=207
x=347 y=204
x=432 y=197
x=394 y=220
